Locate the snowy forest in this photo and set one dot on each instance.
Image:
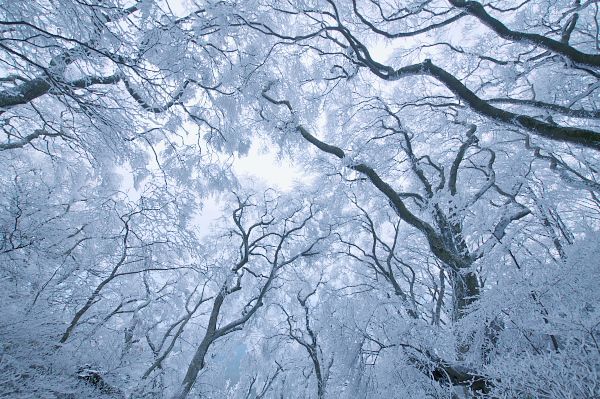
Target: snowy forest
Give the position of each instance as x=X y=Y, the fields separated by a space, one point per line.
x=427 y=224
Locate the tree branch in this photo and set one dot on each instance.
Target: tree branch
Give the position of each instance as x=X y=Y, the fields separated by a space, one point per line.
x=477 y=10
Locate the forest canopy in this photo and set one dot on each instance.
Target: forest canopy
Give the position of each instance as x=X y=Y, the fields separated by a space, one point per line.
x=439 y=237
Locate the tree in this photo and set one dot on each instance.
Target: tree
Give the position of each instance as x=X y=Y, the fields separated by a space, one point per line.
x=343 y=27
x=435 y=248
x=266 y=245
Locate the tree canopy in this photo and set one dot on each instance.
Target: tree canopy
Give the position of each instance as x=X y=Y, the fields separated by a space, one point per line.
x=441 y=239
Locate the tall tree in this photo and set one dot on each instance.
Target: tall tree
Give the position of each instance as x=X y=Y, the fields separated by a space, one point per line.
x=450 y=154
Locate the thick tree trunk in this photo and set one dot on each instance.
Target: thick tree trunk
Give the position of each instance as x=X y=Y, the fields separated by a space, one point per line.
x=197 y=362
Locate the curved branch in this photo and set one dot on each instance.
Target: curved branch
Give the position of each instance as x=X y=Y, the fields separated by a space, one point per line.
x=584 y=137
x=471 y=139
x=477 y=10
x=30 y=90
x=157 y=110
x=28 y=139
x=575 y=113
x=24 y=93
x=404 y=34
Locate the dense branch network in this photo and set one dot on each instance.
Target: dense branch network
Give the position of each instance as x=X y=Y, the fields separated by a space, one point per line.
x=361 y=56
x=460 y=233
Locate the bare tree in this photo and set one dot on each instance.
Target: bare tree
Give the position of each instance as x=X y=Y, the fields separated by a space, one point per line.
x=262 y=252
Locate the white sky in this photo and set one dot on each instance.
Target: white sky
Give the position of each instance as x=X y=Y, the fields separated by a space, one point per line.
x=262 y=165
x=258 y=166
